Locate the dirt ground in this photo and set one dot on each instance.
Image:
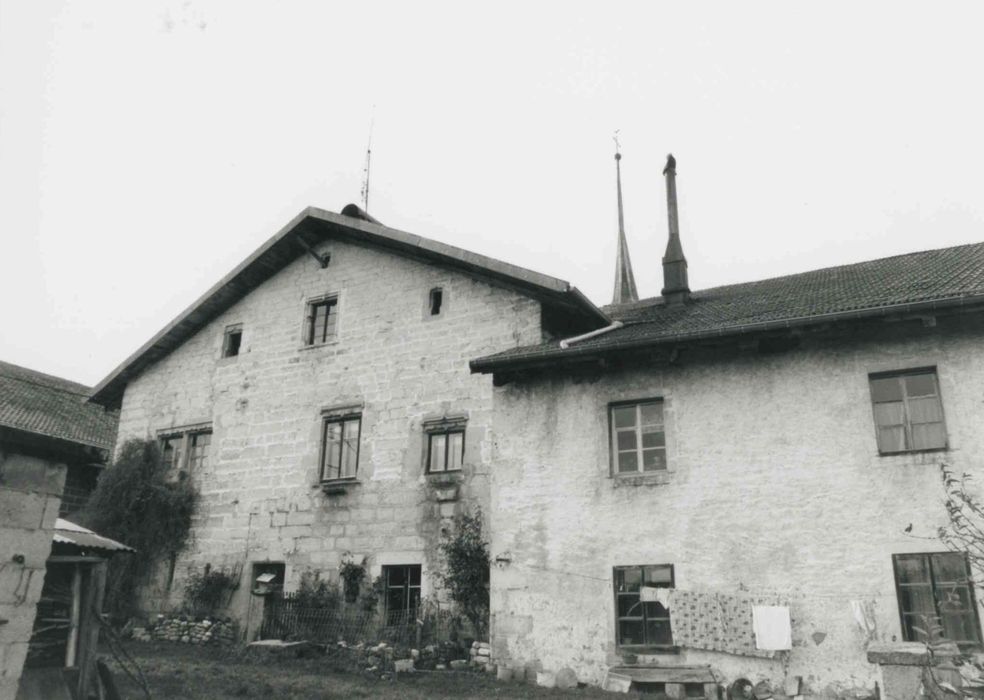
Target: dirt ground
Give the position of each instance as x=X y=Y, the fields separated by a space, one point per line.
x=213 y=673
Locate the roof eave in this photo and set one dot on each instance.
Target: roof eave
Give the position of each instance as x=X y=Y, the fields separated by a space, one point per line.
x=490 y=364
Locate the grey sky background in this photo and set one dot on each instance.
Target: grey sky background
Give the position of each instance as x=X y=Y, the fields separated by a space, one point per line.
x=147 y=147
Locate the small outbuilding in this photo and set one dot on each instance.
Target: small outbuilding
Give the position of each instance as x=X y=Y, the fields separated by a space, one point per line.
x=61 y=655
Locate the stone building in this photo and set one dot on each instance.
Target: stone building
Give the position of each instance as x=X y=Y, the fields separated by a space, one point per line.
x=320 y=398
x=51 y=442
x=671 y=483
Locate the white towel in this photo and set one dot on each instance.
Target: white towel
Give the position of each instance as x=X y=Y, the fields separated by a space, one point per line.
x=772 y=628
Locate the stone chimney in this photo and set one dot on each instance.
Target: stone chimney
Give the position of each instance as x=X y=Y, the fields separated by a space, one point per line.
x=676 y=290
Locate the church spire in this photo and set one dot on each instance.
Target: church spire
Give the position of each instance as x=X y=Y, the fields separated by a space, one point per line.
x=625 y=286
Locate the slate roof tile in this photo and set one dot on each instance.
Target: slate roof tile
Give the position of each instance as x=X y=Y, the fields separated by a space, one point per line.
x=874 y=287
x=45 y=405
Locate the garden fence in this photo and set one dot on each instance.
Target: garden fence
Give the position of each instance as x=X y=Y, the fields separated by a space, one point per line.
x=284 y=617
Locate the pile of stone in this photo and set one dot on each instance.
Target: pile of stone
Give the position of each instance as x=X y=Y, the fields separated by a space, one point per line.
x=481 y=656
x=181 y=629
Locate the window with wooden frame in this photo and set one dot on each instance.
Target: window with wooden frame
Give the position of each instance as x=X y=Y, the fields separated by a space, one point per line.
x=445 y=451
x=401 y=593
x=186 y=449
x=445 y=445
x=320 y=320
x=340 y=446
x=638 y=438
x=641 y=620
x=908 y=412
x=936 y=598
x=232 y=340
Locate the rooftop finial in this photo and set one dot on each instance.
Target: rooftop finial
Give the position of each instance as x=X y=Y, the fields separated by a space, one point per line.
x=625 y=286
x=365 y=170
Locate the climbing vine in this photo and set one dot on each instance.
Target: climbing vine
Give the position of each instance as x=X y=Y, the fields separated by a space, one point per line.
x=135 y=502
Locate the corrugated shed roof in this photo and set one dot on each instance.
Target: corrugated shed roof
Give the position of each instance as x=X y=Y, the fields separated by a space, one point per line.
x=39 y=403
x=944 y=277
x=67 y=532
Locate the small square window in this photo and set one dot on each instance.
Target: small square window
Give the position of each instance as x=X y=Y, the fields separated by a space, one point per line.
x=320 y=320
x=445 y=451
x=638 y=439
x=340 y=447
x=232 y=340
x=436 y=300
x=907 y=410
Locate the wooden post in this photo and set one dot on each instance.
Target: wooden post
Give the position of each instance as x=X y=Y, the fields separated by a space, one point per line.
x=73 y=630
x=91 y=609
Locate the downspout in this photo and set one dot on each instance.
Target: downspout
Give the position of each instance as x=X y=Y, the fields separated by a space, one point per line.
x=564 y=344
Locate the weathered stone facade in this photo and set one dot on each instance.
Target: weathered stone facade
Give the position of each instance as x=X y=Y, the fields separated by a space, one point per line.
x=391 y=360
x=774 y=484
x=30 y=494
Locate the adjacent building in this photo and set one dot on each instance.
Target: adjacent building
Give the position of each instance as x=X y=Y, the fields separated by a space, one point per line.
x=666 y=487
x=320 y=398
x=52 y=443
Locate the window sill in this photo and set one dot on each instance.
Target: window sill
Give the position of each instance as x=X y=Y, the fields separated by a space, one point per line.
x=338 y=486
x=655 y=478
x=903 y=453
x=315 y=346
x=440 y=478
x=648 y=650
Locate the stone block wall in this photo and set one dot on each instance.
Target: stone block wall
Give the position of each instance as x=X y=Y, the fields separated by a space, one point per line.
x=30 y=494
x=261 y=496
x=774 y=485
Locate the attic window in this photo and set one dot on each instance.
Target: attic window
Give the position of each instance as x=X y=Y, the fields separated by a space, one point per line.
x=232 y=340
x=320 y=320
x=436 y=300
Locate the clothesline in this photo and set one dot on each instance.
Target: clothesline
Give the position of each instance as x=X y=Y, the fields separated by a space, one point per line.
x=752 y=592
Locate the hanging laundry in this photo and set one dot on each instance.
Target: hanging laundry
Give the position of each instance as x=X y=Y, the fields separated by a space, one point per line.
x=773 y=631
x=715 y=621
x=864 y=616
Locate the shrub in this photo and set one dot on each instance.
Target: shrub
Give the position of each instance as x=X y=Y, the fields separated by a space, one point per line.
x=317 y=593
x=352 y=575
x=467 y=577
x=135 y=503
x=205 y=592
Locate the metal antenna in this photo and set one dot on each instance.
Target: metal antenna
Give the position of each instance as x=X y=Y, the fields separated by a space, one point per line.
x=365 y=171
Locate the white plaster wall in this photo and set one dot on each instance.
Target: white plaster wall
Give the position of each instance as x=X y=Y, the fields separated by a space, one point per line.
x=261 y=499
x=774 y=483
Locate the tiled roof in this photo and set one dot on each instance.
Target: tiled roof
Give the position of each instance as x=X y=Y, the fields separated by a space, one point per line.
x=53 y=407
x=931 y=278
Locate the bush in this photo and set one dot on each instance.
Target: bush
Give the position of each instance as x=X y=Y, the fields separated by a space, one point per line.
x=205 y=593
x=136 y=504
x=317 y=593
x=467 y=578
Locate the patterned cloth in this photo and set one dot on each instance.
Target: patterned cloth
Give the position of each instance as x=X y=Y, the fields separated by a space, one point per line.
x=716 y=621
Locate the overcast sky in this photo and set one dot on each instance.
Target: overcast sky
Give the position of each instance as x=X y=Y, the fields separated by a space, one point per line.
x=146 y=147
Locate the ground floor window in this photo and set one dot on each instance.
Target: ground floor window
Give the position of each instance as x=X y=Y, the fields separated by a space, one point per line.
x=936 y=597
x=640 y=619
x=401 y=587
